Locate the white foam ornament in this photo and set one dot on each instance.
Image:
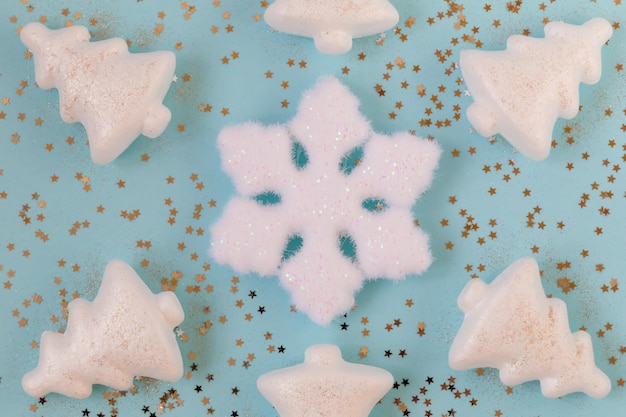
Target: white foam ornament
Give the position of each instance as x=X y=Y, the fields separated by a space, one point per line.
x=332 y=23
x=126 y=331
x=325 y=385
x=522 y=91
x=511 y=325
x=116 y=95
x=321 y=203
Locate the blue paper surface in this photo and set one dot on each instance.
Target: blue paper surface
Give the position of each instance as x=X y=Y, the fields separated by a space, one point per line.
x=62 y=218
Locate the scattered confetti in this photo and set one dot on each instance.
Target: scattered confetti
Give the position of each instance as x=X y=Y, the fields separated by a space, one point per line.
x=487 y=206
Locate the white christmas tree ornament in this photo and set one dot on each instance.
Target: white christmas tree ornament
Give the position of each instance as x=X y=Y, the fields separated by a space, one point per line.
x=322 y=203
x=116 y=95
x=511 y=325
x=126 y=331
x=331 y=23
x=325 y=385
x=520 y=92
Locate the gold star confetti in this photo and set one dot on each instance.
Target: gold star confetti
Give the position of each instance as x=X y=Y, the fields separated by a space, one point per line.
x=157 y=205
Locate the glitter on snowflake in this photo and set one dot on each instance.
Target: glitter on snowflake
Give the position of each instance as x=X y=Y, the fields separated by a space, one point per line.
x=125 y=332
x=511 y=325
x=323 y=203
x=325 y=385
x=521 y=92
x=332 y=24
x=116 y=95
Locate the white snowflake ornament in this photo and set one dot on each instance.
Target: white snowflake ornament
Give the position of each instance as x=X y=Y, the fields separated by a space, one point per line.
x=520 y=92
x=332 y=23
x=320 y=202
x=116 y=95
x=126 y=331
x=325 y=385
x=511 y=325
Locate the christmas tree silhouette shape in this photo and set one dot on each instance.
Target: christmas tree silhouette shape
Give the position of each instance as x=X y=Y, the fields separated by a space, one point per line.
x=511 y=325
x=520 y=92
x=331 y=23
x=116 y=95
x=126 y=331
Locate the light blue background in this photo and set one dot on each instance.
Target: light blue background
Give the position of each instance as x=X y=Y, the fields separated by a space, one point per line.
x=243 y=88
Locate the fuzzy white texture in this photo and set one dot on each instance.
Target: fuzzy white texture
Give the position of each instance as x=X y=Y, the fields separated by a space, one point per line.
x=126 y=331
x=520 y=92
x=511 y=325
x=332 y=24
x=116 y=95
x=325 y=385
x=320 y=202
